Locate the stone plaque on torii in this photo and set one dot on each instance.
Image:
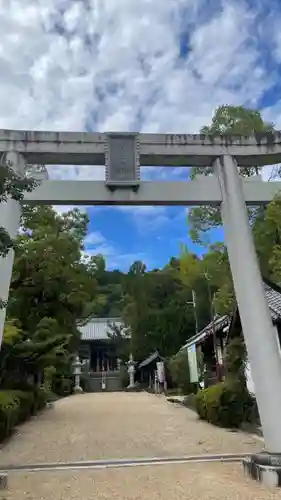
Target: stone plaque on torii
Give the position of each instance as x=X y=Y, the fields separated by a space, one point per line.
x=122 y=186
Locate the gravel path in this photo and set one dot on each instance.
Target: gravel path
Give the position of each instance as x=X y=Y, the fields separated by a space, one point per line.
x=126 y=425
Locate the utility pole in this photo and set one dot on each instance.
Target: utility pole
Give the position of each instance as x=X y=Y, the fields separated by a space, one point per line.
x=193 y=303
x=212 y=314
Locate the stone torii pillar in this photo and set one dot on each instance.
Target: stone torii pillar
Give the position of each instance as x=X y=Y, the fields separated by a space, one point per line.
x=260 y=337
x=10 y=213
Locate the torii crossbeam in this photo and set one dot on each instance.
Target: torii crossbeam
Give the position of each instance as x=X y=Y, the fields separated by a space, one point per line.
x=123 y=154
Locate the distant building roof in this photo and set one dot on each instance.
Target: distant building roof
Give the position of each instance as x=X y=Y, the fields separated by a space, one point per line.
x=219 y=323
x=150 y=359
x=273 y=295
x=98 y=328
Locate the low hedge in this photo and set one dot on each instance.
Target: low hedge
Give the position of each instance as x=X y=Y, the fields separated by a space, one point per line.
x=17 y=406
x=224 y=404
x=62 y=386
x=190 y=401
x=25 y=404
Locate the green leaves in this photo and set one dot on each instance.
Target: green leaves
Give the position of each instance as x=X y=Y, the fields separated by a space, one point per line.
x=45 y=348
x=236 y=121
x=156 y=309
x=51 y=290
x=211 y=273
x=49 y=277
x=228 y=121
x=12 y=185
x=179 y=369
x=267 y=235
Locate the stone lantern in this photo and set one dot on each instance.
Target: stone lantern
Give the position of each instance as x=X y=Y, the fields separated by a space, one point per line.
x=77 y=370
x=131 y=371
x=118 y=364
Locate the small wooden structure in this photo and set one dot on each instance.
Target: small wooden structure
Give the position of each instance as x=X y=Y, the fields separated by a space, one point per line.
x=146 y=369
x=273 y=296
x=209 y=344
x=219 y=331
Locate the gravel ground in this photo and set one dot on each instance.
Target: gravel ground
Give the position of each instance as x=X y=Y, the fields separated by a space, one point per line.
x=171 y=482
x=126 y=425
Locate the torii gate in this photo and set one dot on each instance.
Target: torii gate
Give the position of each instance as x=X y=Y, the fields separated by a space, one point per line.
x=122 y=154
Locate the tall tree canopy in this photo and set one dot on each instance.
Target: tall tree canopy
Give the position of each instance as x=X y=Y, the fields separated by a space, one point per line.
x=158 y=308
x=49 y=277
x=227 y=120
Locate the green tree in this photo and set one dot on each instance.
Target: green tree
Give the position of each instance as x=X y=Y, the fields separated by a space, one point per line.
x=12 y=336
x=45 y=348
x=120 y=337
x=49 y=277
x=267 y=236
x=179 y=369
x=155 y=307
x=210 y=277
x=227 y=121
x=138 y=268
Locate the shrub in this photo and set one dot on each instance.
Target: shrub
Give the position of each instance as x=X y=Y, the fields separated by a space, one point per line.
x=18 y=385
x=62 y=386
x=253 y=416
x=40 y=399
x=200 y=404
x=16 y=406
x=224 y=404
x=9 y=408
x=26 y=402
x=235 y=360
x=124 y=377
x=190 y=401
x=179 y=368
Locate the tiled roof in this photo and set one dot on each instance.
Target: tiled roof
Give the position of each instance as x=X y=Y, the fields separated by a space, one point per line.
x=273 y=295
x=219 y=323
x=98 y=328
x=150 y=358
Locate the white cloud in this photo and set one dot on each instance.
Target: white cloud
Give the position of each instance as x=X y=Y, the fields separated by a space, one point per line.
x=124 y=260
x=147 y=218
x=115 y=65
x=96 y=244
x=69 y=64
x=94 y=238
x=61 y=209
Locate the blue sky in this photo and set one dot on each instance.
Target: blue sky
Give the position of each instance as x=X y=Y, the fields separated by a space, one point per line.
x=142 y=65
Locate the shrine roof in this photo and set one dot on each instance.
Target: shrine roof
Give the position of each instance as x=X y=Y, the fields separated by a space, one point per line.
x=219 y=323
x=98 y=328
x=273 y=295
x=152 y=357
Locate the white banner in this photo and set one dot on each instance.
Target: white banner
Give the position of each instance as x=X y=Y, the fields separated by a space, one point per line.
x=192 y=361
x=161 y=372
